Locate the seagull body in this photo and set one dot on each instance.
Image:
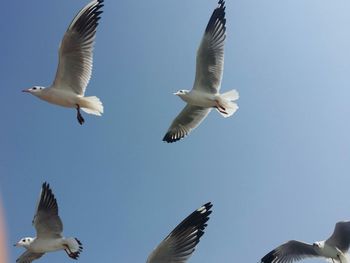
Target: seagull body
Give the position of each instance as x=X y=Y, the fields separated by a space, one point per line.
x=205 y=93
x=334 y=248
x=49 y=229
x=180 y=244
x=75 y=65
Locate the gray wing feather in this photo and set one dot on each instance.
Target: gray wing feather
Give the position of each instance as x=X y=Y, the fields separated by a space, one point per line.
x=210 y=54
x=179 y=245
x=289 y=252
x=341 y=236
x=28 y=257
x=187 y=120
x=75 y=54
x=46 y=220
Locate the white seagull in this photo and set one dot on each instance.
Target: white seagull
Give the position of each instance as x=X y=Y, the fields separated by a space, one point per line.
x=179 y=245
x=334 y=248
x=75 y=65
x=205 y=92
x=49 y=229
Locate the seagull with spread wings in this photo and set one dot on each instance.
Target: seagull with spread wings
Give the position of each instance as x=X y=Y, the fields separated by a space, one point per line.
x=334 y=248
x=179 y=245
x=205 y=92
x=49 y=229
x=75 y=65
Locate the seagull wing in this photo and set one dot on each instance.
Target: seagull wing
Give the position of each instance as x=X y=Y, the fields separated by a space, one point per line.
x=28 y=257
x=188 y=119
x=179 y=245
x=341 y=236
x=75 y=54
x=46 y=220
x=210 y=54
x=289 y=252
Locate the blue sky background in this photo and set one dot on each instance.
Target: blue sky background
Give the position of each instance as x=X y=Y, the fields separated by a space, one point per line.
x=278 y=169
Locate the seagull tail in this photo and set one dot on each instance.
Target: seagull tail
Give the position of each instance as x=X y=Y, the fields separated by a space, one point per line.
x=91 y=105
x=226 y=101
x=75 y=247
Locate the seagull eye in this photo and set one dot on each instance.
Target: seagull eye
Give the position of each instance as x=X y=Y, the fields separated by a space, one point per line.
x=23 y=240
x=34 y=88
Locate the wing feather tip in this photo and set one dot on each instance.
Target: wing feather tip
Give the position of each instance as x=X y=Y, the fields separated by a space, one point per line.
x=269 y=257
x=171 y=137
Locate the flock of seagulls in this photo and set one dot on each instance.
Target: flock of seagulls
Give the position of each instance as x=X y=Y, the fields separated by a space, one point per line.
x=75 y=68
x=68 y=90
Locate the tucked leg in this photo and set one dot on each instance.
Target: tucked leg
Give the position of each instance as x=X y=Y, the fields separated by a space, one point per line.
x=79 y=116
x=220 y=108
x=73 y=255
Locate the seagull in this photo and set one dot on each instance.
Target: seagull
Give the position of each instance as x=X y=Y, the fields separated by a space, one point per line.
x=334 y=248
x=179 y=245
x=49 y=228
x=75 y=65
x=205 y=92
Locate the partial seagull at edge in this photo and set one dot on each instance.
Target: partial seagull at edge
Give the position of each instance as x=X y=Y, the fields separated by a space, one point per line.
x=205 y=92
x=75 y=65
x=49 y=229
x=180 y=244
x=335 y=248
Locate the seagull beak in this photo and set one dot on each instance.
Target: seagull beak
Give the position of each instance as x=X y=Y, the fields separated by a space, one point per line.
x=26 y=90
x=176 y=93
x=15 y=245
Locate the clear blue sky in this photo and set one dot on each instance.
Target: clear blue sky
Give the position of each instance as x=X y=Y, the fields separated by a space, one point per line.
x=279 y=169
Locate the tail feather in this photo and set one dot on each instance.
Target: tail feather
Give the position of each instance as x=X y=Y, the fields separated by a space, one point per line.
x=91 y=105
x=231 y=95
x=226 y=101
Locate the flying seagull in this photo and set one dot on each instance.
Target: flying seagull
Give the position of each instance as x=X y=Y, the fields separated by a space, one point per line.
x=75 y=65
x=49 y=228
x=205 y=92
x=179 y=245
x=334 y=248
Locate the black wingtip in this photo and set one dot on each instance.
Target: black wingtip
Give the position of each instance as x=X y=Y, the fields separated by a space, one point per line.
x=174 y=136
x=197 y=219
x=269 y=257
x=170 y=138
x=218 y=15
x=47 y=198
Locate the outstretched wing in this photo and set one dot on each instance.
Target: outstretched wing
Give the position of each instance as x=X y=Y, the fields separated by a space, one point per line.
x=46 y=220
x=188 y=119
x=341 y=236
x=75 y=54
x=210 y=54
x=179 y=245
x=289 y=252
x=28 y=257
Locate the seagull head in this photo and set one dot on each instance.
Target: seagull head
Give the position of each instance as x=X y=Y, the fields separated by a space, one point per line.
x=24 y=242
x=182 y=93
x=36 y=90
x=317 y=244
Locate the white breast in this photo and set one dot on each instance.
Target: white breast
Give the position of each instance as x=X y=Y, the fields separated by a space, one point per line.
x=199 y=98
x=62 y=97
x=40 y=245
x=330 y=252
